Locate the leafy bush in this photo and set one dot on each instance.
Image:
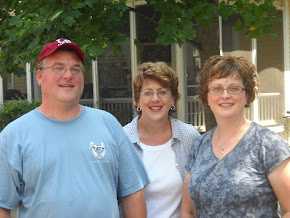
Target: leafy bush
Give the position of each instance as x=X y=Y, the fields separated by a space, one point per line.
x=14 y=109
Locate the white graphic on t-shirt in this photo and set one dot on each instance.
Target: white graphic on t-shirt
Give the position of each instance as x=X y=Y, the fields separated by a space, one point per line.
x=98 y=150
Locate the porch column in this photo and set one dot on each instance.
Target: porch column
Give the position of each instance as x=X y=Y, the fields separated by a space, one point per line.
x=286 y=31
x=254 y=60
x=221 y=35
x=133 y=51
x=180 y=72
x=96 y=95
x=28 y=82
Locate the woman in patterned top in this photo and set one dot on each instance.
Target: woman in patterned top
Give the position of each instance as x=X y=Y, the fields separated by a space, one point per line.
x=162 y=141
x=239 y=168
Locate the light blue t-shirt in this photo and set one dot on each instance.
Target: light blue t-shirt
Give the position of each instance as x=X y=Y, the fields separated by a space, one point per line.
x=237 y=184
x=75 y=168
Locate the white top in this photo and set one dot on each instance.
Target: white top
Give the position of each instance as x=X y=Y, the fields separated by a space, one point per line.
x=166 y=184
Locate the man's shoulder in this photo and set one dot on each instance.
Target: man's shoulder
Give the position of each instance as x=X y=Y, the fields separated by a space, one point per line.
x=24 y=118
x=19 y=125
x=100 y=116
x=97 y=111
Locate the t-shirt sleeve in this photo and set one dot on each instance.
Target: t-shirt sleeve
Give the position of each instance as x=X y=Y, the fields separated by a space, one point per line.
x=274 y=150
x=10 y=179
x=132 y=173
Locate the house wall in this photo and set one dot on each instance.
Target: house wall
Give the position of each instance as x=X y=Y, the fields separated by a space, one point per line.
x=270 y=65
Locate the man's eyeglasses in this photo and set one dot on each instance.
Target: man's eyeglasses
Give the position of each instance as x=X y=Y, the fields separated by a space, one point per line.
x=162 y=93
x=218 y=90
x=59 y=69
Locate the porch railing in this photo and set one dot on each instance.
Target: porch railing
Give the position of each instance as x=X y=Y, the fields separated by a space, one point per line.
x=87 y=102
x=269 y=109
x=195 y=113
x=121 y=108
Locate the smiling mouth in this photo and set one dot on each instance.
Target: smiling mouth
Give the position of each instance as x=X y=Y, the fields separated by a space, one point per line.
x=155 y=108
x=226 y=105
x=66 y=86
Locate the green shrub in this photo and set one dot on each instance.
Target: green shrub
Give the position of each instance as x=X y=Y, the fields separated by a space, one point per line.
x=14 y=109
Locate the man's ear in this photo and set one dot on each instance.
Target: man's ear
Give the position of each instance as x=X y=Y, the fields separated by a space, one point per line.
x=39 y=77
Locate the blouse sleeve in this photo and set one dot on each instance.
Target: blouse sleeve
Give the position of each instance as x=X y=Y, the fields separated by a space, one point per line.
x=273 y=151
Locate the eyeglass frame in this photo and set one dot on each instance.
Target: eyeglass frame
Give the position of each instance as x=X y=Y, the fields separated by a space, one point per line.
x=156 y=91
x=223 y=89
x=65 y=69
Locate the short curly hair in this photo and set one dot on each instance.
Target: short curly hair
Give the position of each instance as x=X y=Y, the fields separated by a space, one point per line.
x=217 y=67
x=160 y=72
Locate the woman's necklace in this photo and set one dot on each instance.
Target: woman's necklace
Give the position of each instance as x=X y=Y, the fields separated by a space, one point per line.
x=225 y=146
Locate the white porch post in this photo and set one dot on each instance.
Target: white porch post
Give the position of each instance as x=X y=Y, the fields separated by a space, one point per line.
x=28 y=82
x=180 y=72
x=96 y=95
x=254 y=60
x=133 y=50
x=221 y=35
x=286 y=32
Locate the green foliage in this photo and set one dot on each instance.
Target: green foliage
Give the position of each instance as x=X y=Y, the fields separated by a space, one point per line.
x=25 y=26
x=175 y=25
x=14 y=109
x=257 y=16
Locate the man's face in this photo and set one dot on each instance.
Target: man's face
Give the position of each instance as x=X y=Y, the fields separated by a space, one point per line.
x=61 y=88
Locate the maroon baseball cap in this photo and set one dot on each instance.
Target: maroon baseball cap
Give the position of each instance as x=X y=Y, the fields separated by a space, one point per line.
x=51 y=48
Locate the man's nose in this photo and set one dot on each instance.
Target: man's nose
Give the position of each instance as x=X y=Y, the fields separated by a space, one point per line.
x=68 y=72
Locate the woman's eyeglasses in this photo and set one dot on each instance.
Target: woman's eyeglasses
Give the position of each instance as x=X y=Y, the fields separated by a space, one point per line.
x=162 y=93
x=218 y=90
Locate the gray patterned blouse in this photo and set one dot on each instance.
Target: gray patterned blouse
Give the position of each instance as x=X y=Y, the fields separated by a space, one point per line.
x=237 y=184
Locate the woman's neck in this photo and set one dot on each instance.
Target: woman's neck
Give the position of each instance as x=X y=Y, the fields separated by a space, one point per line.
x=230 y=125
x=228 y=134
x=154 y=133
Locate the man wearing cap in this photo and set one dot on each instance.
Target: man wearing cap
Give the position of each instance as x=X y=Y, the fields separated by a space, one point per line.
x=66 y=160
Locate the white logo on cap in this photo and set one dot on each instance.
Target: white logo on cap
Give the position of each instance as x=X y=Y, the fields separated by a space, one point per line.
x=59 y=43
